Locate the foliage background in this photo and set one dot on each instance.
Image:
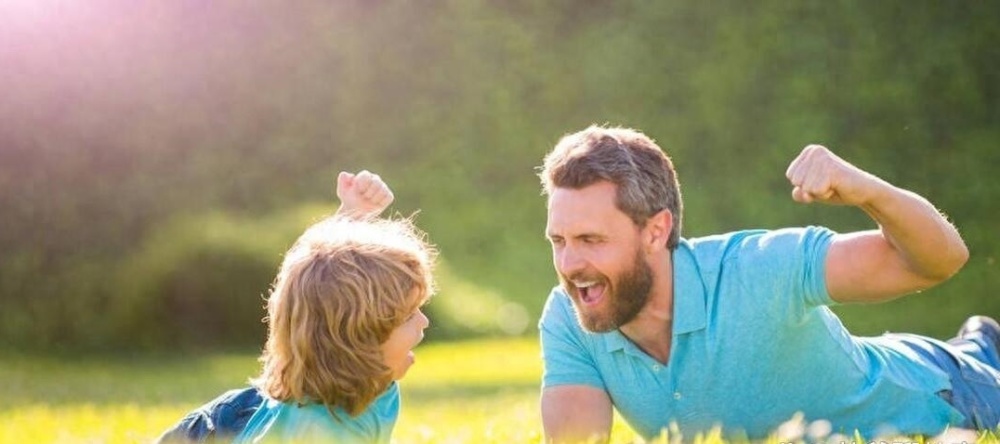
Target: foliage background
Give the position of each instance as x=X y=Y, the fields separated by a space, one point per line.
x=156 y=158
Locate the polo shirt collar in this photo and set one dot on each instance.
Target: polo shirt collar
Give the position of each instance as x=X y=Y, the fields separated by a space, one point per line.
x=689 y=292
x=689 y=299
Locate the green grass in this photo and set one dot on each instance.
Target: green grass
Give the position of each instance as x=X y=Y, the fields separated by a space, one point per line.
x=478 y=391
x=468 y=392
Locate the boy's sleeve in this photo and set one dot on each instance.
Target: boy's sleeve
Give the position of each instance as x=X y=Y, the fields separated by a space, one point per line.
x=566 y=353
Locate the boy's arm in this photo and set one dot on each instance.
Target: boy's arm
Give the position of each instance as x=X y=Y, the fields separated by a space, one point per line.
x=362 y=195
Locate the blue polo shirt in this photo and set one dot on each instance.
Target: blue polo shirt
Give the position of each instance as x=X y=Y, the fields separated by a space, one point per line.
x=753 y=343
x=277 y=421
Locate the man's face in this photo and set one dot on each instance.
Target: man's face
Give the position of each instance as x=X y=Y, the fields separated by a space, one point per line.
x=597 y=253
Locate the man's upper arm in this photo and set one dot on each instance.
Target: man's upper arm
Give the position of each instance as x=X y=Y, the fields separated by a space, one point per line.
x=576 y=413
x=865 y=267
x=566 y=351
x=574 y=402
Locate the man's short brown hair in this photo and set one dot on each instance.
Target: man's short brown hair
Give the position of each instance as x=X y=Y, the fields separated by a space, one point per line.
x=642 y=173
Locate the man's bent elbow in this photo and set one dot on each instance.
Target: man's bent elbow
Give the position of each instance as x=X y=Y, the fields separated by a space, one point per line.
x=949 y=264
x=959 y=259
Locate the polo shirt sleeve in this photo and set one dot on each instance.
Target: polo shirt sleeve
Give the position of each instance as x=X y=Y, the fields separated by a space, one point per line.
x=797 y=262
x=815 y=243
x=566 y=353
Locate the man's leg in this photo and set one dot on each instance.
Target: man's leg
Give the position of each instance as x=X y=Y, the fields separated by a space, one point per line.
x=979 y=382
x=973 y=362
x=979 y=337
x=970 y=362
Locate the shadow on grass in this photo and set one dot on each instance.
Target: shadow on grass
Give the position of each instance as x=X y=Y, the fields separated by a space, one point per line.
x=176 y=380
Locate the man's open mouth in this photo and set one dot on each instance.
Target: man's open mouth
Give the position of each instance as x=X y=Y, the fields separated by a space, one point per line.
x=591 y=292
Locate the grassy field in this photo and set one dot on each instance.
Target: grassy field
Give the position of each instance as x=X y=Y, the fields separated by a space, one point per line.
x=480 y=391
x=467 y=392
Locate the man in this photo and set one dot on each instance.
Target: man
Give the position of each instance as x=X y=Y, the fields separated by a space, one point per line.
x=733 y=330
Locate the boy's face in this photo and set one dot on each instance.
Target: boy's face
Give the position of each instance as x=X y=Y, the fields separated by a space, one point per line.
x=397 y=351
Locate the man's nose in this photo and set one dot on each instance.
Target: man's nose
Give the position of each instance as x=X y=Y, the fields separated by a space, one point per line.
x=568 y=261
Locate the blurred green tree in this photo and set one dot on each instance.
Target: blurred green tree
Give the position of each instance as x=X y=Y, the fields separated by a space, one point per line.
x=151 y=154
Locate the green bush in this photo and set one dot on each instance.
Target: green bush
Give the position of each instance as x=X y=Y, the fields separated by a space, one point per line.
x=197 y=281
x=200 y=282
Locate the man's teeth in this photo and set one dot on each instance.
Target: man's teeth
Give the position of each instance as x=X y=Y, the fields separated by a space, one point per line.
x=585 y=284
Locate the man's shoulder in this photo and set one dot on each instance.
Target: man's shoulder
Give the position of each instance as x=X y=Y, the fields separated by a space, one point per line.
x=719 y=243
x=559 y=322
x=720 y=247
x=558 y=307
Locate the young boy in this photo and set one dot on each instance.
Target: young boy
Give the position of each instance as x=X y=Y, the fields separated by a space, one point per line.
x=343 y=318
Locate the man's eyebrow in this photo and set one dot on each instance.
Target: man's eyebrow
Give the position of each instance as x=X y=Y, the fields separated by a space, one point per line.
x=585 y=235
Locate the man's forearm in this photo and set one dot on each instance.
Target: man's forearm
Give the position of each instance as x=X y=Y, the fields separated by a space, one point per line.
x=572 y=414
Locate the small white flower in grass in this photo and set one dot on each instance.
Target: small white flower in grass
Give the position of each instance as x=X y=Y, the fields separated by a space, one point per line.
x=675 y=433
x=956 y=435
x=819 y=429
x=793 y=429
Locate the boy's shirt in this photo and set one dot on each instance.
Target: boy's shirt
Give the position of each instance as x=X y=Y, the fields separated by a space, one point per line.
x=277 y=421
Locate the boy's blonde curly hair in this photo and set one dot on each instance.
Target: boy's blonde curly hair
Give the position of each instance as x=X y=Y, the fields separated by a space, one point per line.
x=343 y=287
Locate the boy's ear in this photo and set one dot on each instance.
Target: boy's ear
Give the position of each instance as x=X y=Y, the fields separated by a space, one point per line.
x=657 y=230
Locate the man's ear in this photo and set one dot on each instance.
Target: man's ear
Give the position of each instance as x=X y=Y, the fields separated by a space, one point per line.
x=657 y=231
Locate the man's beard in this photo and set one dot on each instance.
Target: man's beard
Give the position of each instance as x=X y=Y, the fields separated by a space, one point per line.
x=625 y=297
